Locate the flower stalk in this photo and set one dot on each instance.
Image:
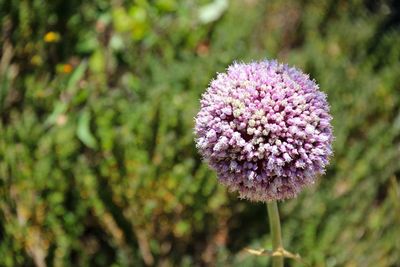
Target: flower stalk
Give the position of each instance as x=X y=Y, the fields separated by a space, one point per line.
x=275 y=226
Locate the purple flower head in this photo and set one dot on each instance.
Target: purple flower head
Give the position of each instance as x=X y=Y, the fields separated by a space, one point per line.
x=264 y=127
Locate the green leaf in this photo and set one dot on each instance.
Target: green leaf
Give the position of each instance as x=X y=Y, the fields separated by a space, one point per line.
x=97 y=61
x=212 y=11
x=61 y=106
x=76 y=76
x=83 y=131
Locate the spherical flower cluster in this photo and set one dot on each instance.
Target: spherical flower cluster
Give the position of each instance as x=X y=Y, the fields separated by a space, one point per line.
x=264 y=127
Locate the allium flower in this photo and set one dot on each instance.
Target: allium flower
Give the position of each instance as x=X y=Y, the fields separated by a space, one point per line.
x=264 y=127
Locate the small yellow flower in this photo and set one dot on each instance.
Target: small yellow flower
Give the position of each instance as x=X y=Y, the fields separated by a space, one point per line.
x=52 y=37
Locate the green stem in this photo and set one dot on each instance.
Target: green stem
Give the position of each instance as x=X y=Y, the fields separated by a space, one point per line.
x=275 y=225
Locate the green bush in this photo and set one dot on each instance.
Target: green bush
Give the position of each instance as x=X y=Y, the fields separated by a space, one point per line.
x=97 y=161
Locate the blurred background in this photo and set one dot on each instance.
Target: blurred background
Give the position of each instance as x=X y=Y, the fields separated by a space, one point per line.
x=98 y=165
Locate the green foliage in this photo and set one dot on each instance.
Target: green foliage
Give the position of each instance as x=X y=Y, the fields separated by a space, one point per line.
x=97 y=160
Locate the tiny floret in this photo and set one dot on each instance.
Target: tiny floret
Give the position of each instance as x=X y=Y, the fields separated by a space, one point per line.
x=265 y=128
